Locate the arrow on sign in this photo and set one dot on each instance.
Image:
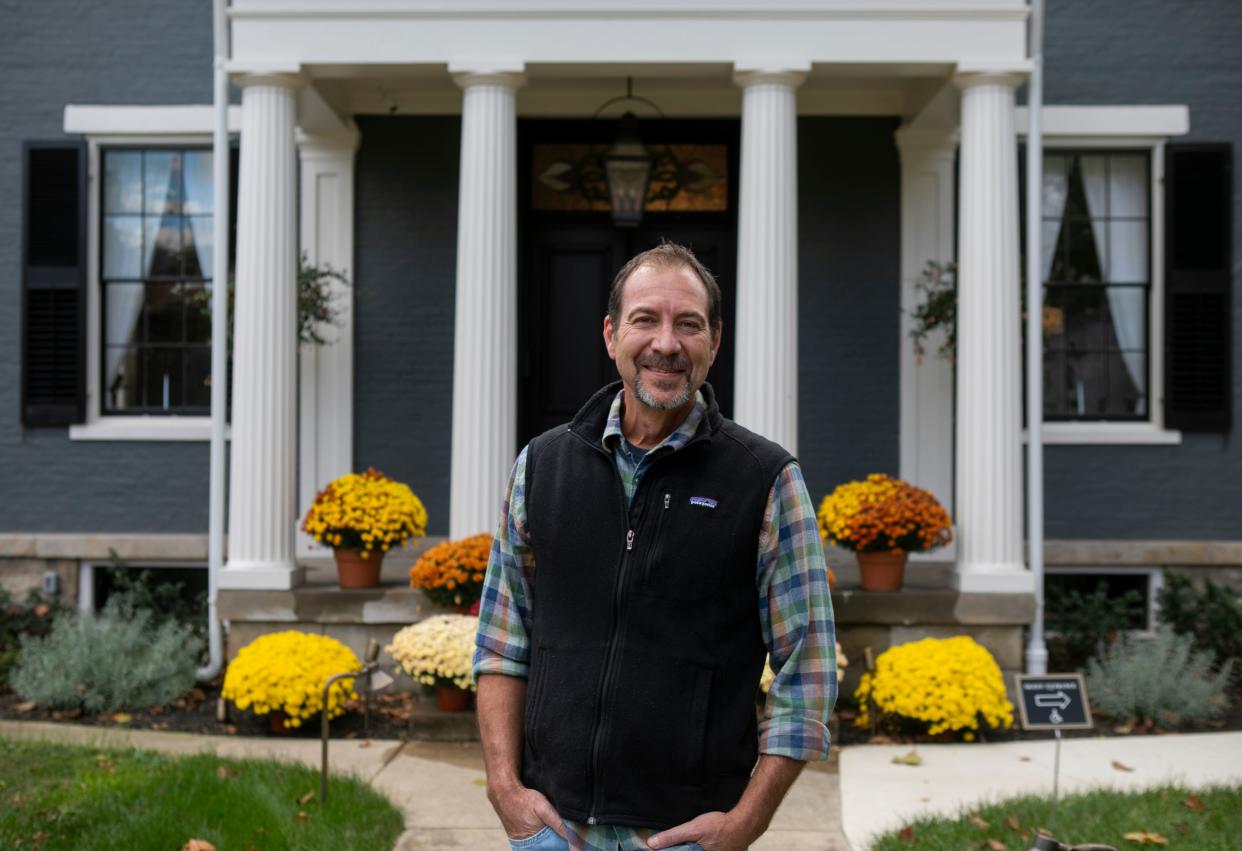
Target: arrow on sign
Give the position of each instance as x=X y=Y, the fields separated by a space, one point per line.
x=1059 y=699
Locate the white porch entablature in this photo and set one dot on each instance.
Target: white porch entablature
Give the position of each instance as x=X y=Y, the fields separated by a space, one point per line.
x=407 y=32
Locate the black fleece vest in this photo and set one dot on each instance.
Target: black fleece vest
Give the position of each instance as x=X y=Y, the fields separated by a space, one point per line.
x=646 y=647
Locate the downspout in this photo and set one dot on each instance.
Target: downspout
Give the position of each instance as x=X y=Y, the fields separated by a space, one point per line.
x=1036 y=651
x=219 y=340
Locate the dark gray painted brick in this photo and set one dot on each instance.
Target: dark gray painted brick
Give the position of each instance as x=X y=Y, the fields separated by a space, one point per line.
x=406 y=265
x=52 y=54
x=1152 y=52
x=849 y=248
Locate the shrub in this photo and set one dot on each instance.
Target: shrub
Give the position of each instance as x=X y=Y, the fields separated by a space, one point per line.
x=286 y=671
x=946 y=684
x=1163 y=680
x=1213 y=615
x=119 y=659
x=33 y=618
x=451 y=573
x=1081 y=623
x=167 y=600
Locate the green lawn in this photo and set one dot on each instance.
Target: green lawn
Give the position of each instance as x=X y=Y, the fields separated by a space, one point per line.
x=1204 y=820
x=57 y=796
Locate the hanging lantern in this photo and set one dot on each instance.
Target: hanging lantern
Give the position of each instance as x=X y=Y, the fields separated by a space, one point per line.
x=628 y=165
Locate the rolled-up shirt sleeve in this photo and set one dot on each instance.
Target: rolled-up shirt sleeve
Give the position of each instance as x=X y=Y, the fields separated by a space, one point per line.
x=502 y=644
x=795 y=611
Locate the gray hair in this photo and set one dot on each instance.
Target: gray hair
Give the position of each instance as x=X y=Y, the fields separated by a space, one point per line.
x=666 y=255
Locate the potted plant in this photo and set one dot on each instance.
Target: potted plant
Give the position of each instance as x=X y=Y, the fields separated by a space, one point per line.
x=883 y=520
x=451 y=573
x=282 y=674
x=438 y=653
x=361 y=516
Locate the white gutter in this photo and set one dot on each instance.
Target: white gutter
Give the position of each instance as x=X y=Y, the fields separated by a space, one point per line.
x=219 y=339
x=1036 y=651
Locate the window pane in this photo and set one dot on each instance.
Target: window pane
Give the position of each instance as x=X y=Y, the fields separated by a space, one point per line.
x=1127 y=186
x=161 y=247
x=162 y=312
x=197 y=243
x=161 y=182
x=122 y=247
x=1127 y=252
x=198 y=313
x=162 y=378
x=1056 y=175
x=1082 y=259
x=122 y=312
x=198 y=182
x=122 y=390
x=198 y=376
x=1083 y=317
x=1127 y=308
x=123 y=182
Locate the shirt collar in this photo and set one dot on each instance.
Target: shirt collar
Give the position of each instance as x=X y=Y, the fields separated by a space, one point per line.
x=680 y=436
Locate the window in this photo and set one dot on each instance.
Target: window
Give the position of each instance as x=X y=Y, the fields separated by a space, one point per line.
x=1097 y=271
x=155 y=277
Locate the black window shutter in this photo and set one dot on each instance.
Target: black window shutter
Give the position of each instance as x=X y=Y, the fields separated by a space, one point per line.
x=1198 y=281
x=54 y=283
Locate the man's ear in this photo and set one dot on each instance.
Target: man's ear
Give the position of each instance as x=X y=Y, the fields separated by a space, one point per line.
x=609 y=337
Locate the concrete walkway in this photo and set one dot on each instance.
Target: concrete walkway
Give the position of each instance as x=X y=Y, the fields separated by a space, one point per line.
x=439 y=786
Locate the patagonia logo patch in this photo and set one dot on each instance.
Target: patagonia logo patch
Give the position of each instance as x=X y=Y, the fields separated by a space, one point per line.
x=703 y=501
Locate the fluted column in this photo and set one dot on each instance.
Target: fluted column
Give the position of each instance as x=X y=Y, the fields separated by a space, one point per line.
x=765 y=397
x=989 y=378
x=485 y=326
x=262 y=513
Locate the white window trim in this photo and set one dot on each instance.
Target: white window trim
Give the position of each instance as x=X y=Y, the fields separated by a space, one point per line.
x=1155 y=581
x=1134 y=128
x=167 y=124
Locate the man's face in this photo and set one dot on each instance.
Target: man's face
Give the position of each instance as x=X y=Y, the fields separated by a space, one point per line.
x=663 y=344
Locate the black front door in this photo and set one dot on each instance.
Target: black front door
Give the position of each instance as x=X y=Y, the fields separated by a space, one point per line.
x=567 y=261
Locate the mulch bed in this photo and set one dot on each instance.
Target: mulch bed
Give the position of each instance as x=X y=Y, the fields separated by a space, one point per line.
x=394 y=715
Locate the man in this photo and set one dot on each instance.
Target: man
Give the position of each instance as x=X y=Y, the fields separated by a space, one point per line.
x=649 y=554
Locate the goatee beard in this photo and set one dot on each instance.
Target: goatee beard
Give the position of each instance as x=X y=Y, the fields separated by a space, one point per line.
x=645 y=396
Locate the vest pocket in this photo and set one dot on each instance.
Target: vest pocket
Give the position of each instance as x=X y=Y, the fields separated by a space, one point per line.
x=692 y=546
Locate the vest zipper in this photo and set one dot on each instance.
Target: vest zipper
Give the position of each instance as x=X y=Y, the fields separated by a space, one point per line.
x=656 y=538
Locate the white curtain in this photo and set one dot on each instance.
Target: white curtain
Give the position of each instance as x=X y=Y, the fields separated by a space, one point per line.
x=1121 y=245
x=124 y=307
x=1055 y=191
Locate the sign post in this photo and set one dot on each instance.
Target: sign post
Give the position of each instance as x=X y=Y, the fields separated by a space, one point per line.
x=1053 y=702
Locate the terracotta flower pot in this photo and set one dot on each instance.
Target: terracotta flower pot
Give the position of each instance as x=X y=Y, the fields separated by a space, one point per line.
x=355 y=571
x=452 y=699
x=277 y=719
x=882 y=571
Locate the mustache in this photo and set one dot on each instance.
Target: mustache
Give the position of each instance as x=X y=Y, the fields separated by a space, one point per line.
x=668 y=364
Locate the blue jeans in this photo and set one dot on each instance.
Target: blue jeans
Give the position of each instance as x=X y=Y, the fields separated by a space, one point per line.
x=548 y=839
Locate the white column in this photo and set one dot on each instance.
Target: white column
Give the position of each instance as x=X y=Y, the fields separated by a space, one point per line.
x=989 y=378
x=326 y=373
x=927 y=229
x=765 y=397
x=485 y=327
x=262 y=511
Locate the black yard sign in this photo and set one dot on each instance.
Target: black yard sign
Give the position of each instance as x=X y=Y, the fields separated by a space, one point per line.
x=1053 y=702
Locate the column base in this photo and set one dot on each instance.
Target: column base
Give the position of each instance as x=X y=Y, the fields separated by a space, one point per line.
x=260 y=575
x=1001 y=579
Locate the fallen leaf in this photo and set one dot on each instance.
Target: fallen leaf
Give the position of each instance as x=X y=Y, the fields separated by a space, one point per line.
x=197 y=694
x=1024 y=759
x=881 y=740
x=122 y=718
x=479 y=781
x=924 y=799
x=906 y=834
x=1121 y=766
x=40 y=836
x=230 y=729
x=1123 y=729
x=302 y=817
x=198 y=845
x=1013 y=824
x=26 y=707
x=42 y=609
x=979 y=822
x=1143 y=837
x=1194 y=803
x=1182 y=828
x=227 y=772
x=160 y=725
x=911 y=758
x=365 y=743
x=996 y=845
x=307 y=798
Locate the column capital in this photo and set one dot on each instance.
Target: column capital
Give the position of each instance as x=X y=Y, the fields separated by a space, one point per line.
x=778 y=73
x=312 y=145
x=280 y=79
x=968 y=79
x=940 y=140
x=468 y=74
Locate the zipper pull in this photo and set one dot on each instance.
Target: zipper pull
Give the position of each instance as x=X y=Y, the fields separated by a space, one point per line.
x=591 y=821
x=629 y=540
x=667 y=498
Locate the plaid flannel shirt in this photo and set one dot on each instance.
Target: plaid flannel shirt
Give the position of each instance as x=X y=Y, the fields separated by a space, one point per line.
x=791 y=582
